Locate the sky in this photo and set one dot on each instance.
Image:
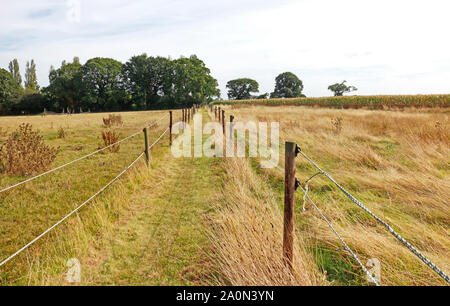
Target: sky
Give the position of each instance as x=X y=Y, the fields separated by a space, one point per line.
x=381 y=47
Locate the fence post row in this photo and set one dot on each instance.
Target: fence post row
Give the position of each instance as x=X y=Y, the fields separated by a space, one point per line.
x=289 y=201
x=147 y=154
x=170 y=127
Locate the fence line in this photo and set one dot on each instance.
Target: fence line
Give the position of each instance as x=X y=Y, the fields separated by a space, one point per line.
x=71 y=213
x=76 y=160
x=386 y=225
x=416 y=252
x=81 y=205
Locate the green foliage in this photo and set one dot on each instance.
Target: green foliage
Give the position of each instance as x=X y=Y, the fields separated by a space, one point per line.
x=15 y=71
x=100 y=83
x=65 y=85
x=340 y=88
x=30 y=77
x=287 y=85
x=10 y=92
x=240 y=89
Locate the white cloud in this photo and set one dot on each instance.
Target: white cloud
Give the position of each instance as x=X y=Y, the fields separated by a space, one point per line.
x=382 y=47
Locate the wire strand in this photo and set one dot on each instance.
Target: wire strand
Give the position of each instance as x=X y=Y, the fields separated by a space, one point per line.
x=386 y=225
x=76 y=160
x=71 y=213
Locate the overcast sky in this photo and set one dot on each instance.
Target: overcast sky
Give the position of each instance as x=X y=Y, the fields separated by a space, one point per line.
x=381 y=47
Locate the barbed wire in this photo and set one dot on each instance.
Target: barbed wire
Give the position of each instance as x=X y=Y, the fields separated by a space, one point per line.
x=76 y=160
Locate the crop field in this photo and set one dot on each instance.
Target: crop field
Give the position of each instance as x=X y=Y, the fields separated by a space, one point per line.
x=368 y=102
x=219 y=221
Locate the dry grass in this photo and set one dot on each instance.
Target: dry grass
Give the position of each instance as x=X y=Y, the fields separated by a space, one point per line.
x=109 y=137
x=25 y=152
x=113 y=120
x=28 y=210
x=396 y=163
x=248 y=235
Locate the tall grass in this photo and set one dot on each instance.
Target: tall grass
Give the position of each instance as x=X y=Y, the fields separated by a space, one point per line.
x=396 y=163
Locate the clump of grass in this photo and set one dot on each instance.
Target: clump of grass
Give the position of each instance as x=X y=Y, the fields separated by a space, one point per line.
x=113 y=120
x=25 y=153
x=248 y=234
x=337 y=124
x=61 y=133
x=110 y=137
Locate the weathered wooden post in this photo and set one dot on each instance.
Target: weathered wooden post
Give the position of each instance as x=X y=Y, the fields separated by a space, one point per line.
x=223 y=121
x=215 y=112
x=170 y=126
x=231 y=127
x=189 y=115
x=289 y=200
x=147 y=154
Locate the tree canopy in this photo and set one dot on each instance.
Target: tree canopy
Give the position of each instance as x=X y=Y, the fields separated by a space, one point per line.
x=340 y=88
x=240 y=89
x=287 y=85
x=10 y=91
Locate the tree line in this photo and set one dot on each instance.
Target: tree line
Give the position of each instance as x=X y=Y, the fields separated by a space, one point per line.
x=287 y=85
x=143 y=82
x=105 y=84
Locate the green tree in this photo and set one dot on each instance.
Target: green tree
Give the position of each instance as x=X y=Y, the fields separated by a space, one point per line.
x=31 y=84
x=101 y=84
x=65 y=85
x=287 y=85
x=240 y=89
x=15 y=71
x=340 y=88
x=10 y=92
x=192 y=82
x=147 y=78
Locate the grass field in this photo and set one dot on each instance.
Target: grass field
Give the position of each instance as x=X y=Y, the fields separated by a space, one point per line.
x=191 y=221
x=396 y=163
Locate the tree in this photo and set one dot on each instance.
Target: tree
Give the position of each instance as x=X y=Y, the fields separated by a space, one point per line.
x=10 y=92
x=340 y=88
x=65 y=85
x=15 y=71
x=146 y=78
x=192 y=82
x=240 y=89
x=31 y=84
x=287 y=85
x=101 y=84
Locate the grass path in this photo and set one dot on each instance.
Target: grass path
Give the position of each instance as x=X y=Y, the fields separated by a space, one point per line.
x=161 y=240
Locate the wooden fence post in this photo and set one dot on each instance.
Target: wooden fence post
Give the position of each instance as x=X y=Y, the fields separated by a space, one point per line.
x=223 y=121
x=147 y=154
x=170 y=127
x=231 y=126
x=289 y=201
x=215 y=112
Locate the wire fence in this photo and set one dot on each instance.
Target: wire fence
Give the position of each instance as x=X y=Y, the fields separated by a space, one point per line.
x=90 y=198
x=78 y=159
x=220 y=115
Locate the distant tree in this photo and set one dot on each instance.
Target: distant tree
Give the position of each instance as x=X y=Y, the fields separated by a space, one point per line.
x=15 y=71
x=101 y=84
x=192 y=82
x=10 y=92
x=287 y=85
x=65 y=86
x=31 y=84
x=263 y=96
x=340 y=88
x=240 y=89
x=146 y=78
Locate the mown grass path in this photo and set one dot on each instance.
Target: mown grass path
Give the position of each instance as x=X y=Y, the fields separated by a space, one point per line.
x=162 y=238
